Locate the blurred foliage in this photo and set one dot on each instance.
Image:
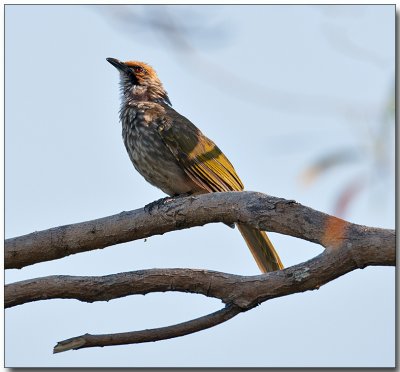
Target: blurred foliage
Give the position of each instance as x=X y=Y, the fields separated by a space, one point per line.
x=378 y=150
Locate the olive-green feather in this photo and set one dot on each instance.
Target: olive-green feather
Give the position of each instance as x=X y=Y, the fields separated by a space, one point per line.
x=200 y=157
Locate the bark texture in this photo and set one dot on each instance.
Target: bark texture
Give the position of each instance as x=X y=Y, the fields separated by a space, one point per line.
x=255 y=209
x=348 y=247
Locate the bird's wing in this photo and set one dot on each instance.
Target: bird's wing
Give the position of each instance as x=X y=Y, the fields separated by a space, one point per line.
x=199 y=157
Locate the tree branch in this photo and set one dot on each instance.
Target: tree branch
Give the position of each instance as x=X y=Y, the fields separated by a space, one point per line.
x=349 y=246
x=149 y=335
x=244 y=291
x=255 y=209
x=108 y=287
x=240 y=293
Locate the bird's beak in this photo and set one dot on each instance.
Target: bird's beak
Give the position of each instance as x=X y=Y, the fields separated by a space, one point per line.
x=121 y=66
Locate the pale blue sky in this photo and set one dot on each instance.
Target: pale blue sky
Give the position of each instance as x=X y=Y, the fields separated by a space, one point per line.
x=280 y=87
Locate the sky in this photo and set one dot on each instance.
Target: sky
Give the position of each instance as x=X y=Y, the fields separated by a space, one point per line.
x=278 y=88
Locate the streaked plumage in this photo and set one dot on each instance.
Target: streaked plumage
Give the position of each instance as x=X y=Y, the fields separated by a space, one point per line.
x=172 y=154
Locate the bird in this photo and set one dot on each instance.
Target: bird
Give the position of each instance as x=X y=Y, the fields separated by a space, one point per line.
x=172 y=154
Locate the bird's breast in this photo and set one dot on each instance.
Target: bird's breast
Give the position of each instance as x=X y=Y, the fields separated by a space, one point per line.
x=149 y=154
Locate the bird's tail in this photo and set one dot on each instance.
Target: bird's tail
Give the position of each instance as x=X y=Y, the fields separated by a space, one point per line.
x=261 y=248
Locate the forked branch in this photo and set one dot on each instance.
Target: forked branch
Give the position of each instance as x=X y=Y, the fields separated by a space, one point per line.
x=349 y=247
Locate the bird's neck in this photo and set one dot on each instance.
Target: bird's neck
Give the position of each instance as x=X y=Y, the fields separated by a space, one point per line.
x=138 y=100
x=138 y=93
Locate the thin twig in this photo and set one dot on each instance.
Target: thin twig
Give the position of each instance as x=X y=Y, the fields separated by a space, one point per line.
x=149 y=335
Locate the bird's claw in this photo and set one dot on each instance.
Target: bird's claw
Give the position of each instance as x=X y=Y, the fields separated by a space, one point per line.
x=163 y=201
x=158 y=203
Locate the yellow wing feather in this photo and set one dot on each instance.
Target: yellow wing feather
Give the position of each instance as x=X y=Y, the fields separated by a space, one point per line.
x=200 y=157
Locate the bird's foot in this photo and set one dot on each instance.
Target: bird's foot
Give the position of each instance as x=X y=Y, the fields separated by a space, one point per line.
x=155 y=204
x=163 y=201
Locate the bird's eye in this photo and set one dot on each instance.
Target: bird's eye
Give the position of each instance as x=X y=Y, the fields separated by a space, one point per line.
x=138 y=69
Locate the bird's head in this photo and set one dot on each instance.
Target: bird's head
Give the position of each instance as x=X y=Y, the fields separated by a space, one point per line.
x=139 y=82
